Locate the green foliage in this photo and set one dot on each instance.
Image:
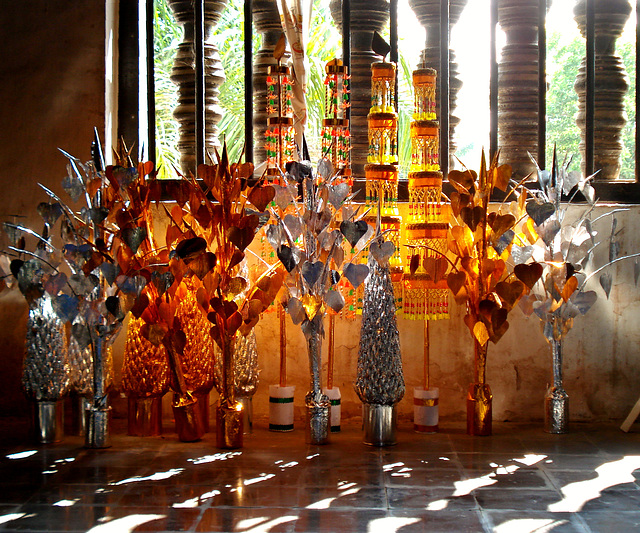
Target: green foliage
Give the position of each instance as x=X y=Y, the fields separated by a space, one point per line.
x=562 y=102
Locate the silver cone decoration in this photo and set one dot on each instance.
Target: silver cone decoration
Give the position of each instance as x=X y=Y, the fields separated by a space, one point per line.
x=246 y=357
x=379 y=376
x=81 y=365
x=46 y=373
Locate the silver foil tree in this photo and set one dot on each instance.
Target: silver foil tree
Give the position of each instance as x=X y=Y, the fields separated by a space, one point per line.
x=380 y=382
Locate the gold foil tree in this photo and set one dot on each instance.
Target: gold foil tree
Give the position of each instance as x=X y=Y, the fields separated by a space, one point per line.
x=483 y=280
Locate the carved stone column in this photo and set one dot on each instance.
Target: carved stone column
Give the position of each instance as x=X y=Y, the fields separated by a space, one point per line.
x=611 y=84
x=266 y=22
x=518 y=84
x=428 y=13
x=183 y=75
x=367 y=16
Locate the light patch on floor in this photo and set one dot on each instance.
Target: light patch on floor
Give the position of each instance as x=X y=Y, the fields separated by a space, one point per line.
x=575 y=495
x=125 y=524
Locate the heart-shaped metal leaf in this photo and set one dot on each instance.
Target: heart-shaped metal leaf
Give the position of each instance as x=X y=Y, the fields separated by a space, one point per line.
x=73 y=187
x=528 y=274
x=109 y=271
x=381 y=252
x=472 y=216
x=540 y=212
x=504 y=241
x=83 y=285
x=353 y=231
x=338 y=194
x=311 y=271
x=455 y=281
x=65 y=306
x=521 y=254
x=50 y=212
x=294 y=225
x=261 y=197
x=274 y=235
x=288 y=257
x=296 y=310
x=356 y=274
x=584 y=300
x=134 y=237
x=606 y=279
x=98 y=214
x=81 y=334
x=549 y=230
x=335 y=300
x=55 y=283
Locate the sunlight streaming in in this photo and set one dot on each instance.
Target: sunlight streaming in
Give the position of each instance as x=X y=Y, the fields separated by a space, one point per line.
x=66 y=503
x=262 y=527
x=215 y=457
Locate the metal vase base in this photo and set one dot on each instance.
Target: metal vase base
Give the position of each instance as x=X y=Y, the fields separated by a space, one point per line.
x=49 y=421
x=98 y=435
x=379 y=423
x=479 y=410
x=144 y=417
x=317 y=428
x=247 y=409
x=79 y=406
x=188 y=421
x=229 y=425
x=202 y=409
x=556 y=411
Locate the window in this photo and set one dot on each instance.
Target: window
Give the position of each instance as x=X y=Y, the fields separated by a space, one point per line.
x=481 y=101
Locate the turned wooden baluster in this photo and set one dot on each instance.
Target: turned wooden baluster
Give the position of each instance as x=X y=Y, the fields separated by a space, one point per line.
x=428 y=13
x=183 y=75
x=611 y=85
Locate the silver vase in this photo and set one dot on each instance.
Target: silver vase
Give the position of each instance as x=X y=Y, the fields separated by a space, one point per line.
x=46 y=372
x=379 y=424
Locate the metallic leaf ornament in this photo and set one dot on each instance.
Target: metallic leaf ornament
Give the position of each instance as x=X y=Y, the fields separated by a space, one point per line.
x=198 y=357
x=81 y=368
x=46 y=373
x=145 y=369
x=380 y=379
x=246 y=356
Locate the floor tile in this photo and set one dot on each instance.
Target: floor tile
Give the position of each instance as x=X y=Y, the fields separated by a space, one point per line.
x=227 y=519
x=534 y=521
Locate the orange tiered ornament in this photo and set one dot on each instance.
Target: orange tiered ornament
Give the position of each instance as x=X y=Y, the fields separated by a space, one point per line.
x=425 y=292
x=381 y=171
x=279 y=135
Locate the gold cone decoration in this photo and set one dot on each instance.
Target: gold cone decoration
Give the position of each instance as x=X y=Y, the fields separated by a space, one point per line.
x=198 y=358
x=145 y=370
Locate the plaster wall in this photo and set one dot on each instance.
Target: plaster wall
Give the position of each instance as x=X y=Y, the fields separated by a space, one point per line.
x=52 y=93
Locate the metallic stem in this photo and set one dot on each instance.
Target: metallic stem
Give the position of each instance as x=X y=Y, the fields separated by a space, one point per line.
x=283 y=346
x=426 y=355
x=480 y=353
x=314 y=347
x=556 y=352
x=331 y=352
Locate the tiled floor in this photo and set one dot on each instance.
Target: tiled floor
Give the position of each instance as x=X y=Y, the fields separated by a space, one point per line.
x=519 y=480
